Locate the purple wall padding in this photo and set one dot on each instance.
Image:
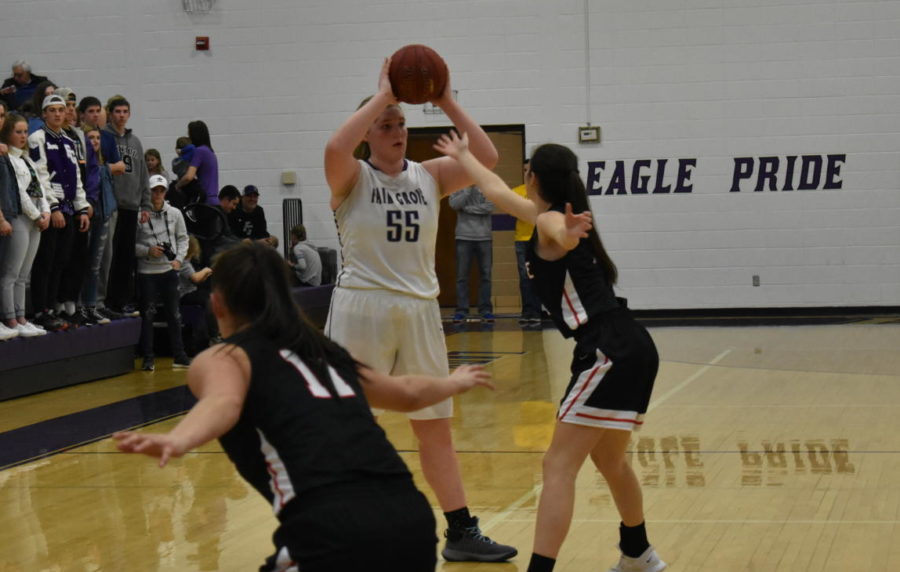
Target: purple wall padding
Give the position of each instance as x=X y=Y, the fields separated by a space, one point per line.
x=315 y=302
x=23 y=352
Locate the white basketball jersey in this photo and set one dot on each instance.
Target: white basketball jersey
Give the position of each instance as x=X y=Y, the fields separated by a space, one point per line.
x=388 y=228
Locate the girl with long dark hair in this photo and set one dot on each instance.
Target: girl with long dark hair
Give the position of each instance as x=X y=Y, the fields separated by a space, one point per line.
x=614 y=363
x=289 y=407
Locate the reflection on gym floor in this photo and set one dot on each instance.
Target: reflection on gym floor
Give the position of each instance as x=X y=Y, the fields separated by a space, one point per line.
x=765 y=448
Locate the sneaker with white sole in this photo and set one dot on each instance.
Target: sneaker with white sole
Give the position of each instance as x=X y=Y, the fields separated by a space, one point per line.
x=109 y=314
x=470 y=545
x=96 y=316
x=647 y=562
x=7 y=333
x=130 y=311
x=29 y=330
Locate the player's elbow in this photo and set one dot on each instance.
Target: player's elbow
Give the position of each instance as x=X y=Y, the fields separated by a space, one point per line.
x=412 y=395
x=489 y=157
x=336 y=149
x=408 y=398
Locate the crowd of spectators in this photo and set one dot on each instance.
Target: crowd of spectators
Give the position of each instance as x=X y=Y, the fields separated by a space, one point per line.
x=92 y=227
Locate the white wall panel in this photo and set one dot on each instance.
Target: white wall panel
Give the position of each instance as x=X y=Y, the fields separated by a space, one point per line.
x=709 y=80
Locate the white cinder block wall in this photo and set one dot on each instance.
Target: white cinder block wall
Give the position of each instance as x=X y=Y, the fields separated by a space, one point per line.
x=705 y=80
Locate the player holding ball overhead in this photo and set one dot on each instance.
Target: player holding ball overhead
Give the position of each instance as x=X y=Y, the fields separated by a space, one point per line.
x=384 y=308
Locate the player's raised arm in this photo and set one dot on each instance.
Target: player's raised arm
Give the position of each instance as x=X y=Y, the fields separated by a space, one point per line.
x=341 y=167
x=458 y=149
x=452 y=176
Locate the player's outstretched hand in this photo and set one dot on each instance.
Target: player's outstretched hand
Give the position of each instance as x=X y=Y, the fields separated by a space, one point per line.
x=452 y=145
x=468 y=376
x=156 y=445
x=578 y=225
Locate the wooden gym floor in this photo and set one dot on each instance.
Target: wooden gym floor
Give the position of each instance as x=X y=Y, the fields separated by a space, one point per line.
x=765 y=448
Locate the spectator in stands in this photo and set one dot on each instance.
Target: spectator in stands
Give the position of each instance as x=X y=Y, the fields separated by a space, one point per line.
x=19 y=237
x=204 y=166
x=161 y=247
x=70 y=125
x=249 y=221
x=28 y=212
x=76 y=263
x=184 y=152
x=474 y=243
x=35 y=106
x=93 y=117
x=305 y=258
x=133 y=198
x=229 y=199
x=3 y=111
x=98 y=188
x=192 y=192
x=154 y=163
x=194 y=290
x=10 y=210
x=211 y=224
x=19 y=88
x=20 y=247
x=54 y=156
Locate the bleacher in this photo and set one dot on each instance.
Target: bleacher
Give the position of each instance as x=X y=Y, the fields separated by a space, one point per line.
x=60 y=359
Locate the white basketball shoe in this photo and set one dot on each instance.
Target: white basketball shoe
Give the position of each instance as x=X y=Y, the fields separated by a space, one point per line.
x=647 y=562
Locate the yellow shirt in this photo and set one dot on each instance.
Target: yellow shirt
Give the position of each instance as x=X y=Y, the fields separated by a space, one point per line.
x=524 y=230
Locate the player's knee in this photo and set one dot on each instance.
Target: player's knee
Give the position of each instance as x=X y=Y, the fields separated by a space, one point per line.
x=610 y=465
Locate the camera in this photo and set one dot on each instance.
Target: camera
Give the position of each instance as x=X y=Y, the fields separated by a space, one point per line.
x=167 y=250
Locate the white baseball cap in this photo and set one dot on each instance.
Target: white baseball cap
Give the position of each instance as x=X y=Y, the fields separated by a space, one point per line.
x=158 y=181
x=53 y=99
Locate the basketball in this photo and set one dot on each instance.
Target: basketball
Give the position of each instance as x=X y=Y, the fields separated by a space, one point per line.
x=418 y=74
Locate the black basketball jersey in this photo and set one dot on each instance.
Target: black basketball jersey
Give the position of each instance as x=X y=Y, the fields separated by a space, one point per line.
x=574 y=289
x=293 y=438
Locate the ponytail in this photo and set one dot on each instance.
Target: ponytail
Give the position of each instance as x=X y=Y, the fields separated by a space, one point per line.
x=556 y=169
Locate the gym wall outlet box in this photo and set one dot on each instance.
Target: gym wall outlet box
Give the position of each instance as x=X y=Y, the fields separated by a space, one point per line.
x=589 y=134
x=289 y=178
x=201 y=43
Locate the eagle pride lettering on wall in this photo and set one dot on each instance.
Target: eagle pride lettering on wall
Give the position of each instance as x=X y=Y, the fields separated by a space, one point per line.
x=648 y=176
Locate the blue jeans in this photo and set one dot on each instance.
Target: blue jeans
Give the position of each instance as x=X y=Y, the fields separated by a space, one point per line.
x=165 y=287
x=95 y=250
x=482 y=251
x=531 y=304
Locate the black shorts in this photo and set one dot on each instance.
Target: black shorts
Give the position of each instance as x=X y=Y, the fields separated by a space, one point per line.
x=613 y=369
x=359 y=527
